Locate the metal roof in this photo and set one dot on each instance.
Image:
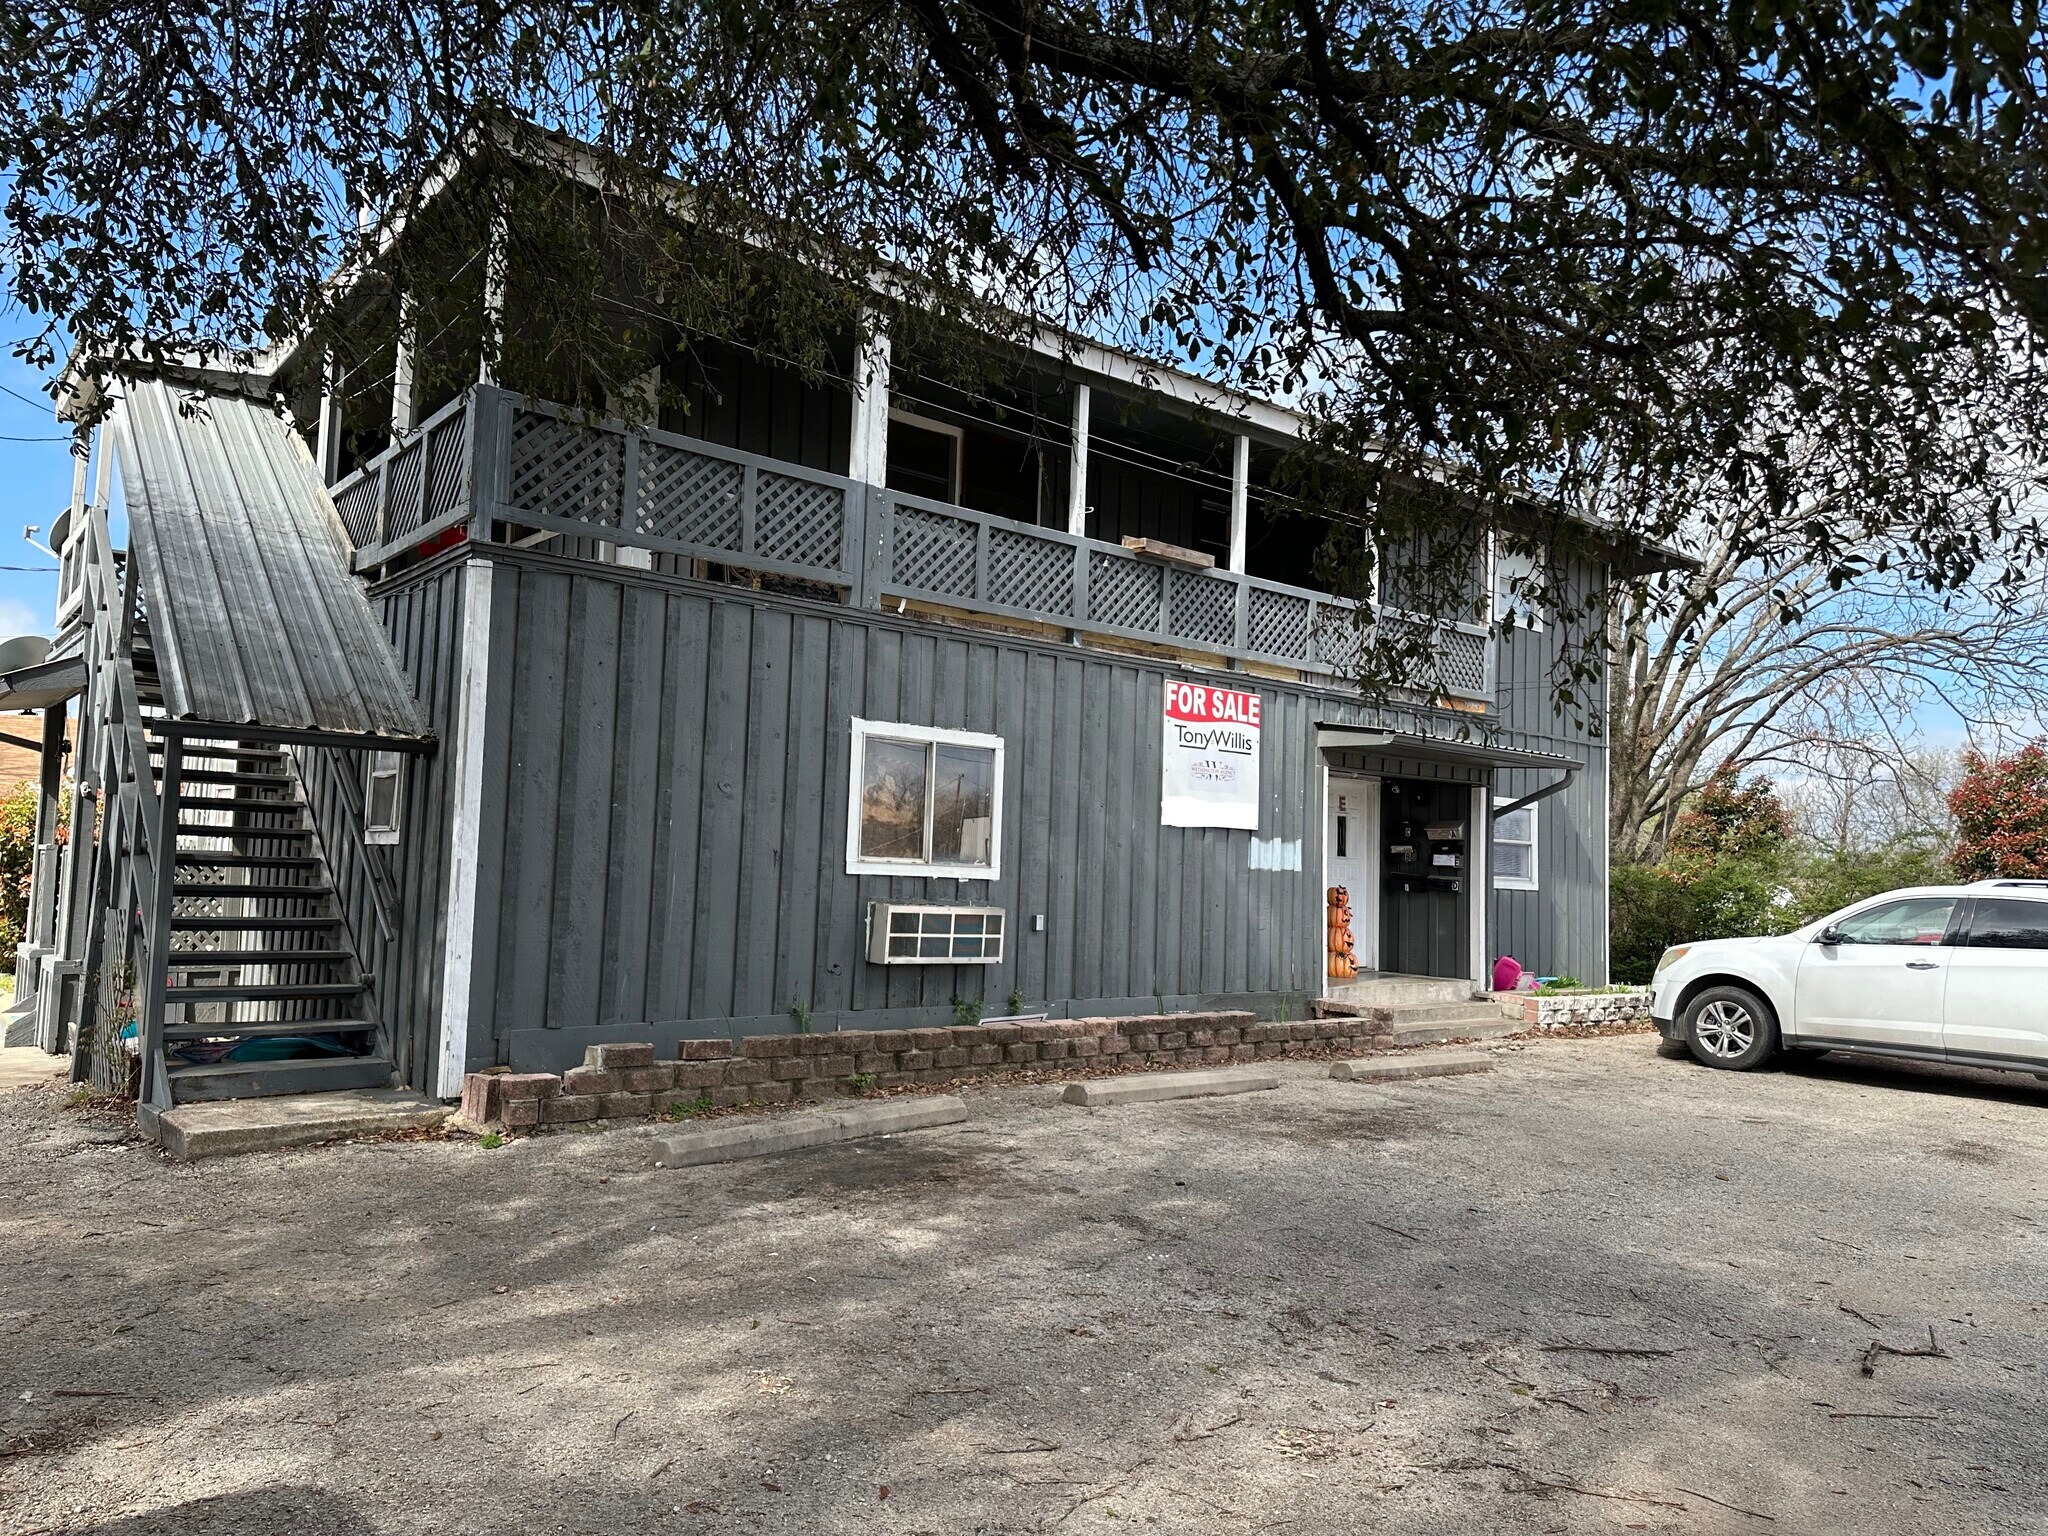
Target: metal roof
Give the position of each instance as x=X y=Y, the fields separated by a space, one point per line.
x=253 y=616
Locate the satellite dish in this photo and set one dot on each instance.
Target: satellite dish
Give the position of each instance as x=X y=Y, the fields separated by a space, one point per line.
x=60 y=530
x=23 y=651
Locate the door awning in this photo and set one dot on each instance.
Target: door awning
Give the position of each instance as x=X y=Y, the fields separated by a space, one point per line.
x=1474 y=754
x=1352 y=738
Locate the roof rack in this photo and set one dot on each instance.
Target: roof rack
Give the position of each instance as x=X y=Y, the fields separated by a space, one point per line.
x=1998 y=885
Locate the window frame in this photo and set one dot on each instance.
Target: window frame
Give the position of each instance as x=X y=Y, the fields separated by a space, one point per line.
x=1503 y=882
x=929 y=737
x=1502 y=602
x=377 y=765
x=1963 y=931
x=898 y=416
x=1950 y=931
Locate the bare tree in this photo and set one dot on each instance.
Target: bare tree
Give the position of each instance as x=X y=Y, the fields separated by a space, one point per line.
x=1867 y=796
x=1757 y=660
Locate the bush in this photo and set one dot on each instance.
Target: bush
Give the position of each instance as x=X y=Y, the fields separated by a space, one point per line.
x=2001 y=811
x=1733 y=871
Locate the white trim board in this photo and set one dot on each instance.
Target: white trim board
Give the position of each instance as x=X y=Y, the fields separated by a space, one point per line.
x=465 y=838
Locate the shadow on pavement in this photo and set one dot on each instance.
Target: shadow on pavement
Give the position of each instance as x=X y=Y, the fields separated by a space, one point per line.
x=285 y=1510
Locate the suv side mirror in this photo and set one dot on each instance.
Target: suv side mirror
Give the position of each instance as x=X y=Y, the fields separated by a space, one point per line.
x=1828 y=935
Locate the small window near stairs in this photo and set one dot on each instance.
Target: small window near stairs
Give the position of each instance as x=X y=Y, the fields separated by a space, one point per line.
x=381 y=798
x=1514 y=849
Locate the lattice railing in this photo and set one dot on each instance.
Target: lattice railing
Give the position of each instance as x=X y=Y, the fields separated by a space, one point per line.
x=545 y=469
x=661 y=491
x=992 y=564
x=418 y=484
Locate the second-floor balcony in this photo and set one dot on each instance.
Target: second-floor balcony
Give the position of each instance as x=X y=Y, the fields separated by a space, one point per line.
x=497 y=464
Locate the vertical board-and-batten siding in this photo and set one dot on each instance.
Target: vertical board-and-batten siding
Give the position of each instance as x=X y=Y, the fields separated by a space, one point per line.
x=422 y=612
x=1559 y=929
x=665 y=798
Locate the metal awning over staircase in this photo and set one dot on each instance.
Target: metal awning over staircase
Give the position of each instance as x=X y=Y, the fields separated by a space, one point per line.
x=254 y=620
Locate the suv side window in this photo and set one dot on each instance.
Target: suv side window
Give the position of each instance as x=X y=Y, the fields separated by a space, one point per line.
x=2004 y=922
x=1916 y=920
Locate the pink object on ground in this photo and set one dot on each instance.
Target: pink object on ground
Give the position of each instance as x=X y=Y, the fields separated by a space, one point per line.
x=1507 y=974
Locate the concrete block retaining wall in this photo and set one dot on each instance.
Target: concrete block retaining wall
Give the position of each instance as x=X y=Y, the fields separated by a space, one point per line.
x=626 y=1082
x=1561 y=1010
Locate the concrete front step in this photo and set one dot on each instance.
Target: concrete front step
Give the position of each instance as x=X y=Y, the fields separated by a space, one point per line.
x=223 y=1127
x=1393 y=991
x=1490 y=1026
x=1431 y=1013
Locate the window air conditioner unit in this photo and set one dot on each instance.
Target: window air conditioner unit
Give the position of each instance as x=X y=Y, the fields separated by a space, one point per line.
x=909 y=933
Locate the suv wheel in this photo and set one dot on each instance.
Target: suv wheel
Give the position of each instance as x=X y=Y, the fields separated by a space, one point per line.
x=1732 y=1028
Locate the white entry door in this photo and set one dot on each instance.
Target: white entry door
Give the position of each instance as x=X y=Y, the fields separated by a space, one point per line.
x=1351 y=859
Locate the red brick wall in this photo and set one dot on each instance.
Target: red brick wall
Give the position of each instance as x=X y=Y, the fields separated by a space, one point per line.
x=625 y=1082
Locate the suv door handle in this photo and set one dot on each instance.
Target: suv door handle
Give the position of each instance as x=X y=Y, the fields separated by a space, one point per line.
x=1922 y=965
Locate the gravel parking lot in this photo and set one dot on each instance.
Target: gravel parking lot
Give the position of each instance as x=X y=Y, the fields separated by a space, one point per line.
x=1593 y=1290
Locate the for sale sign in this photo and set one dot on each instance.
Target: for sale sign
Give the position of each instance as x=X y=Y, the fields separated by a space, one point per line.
x=1210 y=776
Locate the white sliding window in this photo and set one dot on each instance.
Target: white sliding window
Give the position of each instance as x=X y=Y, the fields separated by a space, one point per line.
x=924 y=801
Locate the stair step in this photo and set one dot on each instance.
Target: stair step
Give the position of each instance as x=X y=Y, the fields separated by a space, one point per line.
x=293 y=892
x=203 y=959
x=255 y=1079
x=186 y=922
x=237 y=803
x=1494 y=1028
x=264 y=992
x=202 y=829
x=222 y=776
x=222 y=859
x=1433 y=1013
x=219 y=749
x=257 y=1029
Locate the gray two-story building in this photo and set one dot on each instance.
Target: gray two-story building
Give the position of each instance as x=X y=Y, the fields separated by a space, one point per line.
x=495 y=729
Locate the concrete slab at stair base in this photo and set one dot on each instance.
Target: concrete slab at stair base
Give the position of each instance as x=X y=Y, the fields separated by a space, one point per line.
x=220 y=1128
x=24 y=1065
x=793 y=1133
x=1401 y=1069
x=1155 y=1087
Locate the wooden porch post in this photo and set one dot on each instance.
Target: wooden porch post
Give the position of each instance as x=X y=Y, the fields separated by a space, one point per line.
x=1077 y=466
x=868 y=455
x=495 y=269
x=1240 y=498
x=404 y=408
x=327 y=444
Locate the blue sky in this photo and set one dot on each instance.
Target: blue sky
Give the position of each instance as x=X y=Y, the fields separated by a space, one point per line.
x=35 y=485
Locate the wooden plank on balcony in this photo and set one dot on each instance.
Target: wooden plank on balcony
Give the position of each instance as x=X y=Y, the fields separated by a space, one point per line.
x=1170 y=554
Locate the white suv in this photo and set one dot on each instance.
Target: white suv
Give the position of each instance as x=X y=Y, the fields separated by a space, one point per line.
x=1936 y=973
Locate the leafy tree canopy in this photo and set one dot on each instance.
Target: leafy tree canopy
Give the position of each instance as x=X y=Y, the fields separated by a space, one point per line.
x=1569 y=247
x=1728 y=819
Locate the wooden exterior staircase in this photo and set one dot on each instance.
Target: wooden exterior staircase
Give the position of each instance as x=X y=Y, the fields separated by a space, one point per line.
x=263 y=993
x=225 y=656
